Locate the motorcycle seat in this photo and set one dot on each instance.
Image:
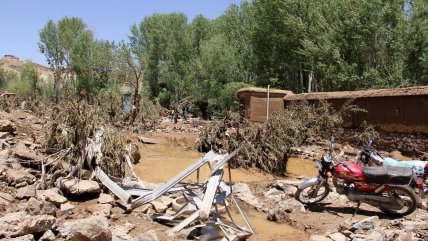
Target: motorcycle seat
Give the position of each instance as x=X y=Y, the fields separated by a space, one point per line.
x=388 y=175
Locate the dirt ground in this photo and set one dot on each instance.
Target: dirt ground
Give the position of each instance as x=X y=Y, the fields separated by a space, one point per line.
x=172 y=149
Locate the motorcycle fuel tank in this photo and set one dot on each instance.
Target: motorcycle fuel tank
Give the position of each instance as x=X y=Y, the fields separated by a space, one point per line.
x=348 y=170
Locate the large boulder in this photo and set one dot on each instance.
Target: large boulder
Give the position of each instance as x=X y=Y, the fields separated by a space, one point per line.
x=26 y=192
x=20 y=223
x=37 y=207
x=51 y=195
x=22 y=152
x=17 y=176
x=94 y=228
x=78 y=187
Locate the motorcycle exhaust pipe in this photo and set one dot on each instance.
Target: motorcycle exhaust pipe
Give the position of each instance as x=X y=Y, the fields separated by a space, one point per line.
x=356 y=197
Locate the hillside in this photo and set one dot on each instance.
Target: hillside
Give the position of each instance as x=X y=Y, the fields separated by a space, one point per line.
x=13 y=63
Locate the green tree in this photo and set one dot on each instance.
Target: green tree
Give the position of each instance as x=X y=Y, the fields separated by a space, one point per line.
x=28 y=82
x=57 y=41
x=132 y=65
x=417 y=44
x=7 y=77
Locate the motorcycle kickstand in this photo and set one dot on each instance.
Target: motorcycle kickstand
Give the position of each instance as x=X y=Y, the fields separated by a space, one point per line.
x=358 y=208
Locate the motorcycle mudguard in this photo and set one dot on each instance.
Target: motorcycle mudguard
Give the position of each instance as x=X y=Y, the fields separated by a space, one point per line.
x=309 y=182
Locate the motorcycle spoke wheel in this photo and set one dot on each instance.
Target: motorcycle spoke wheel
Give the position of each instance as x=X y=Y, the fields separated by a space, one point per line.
x=407 y=197
x=312 y=194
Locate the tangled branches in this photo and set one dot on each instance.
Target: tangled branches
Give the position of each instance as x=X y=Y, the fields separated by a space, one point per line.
x=269 y=145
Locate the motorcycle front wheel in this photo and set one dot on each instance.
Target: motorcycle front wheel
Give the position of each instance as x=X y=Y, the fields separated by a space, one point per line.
x=312 y=194
x=408 y=199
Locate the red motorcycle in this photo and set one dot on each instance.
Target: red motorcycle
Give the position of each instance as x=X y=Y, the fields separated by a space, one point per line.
x=384 y=187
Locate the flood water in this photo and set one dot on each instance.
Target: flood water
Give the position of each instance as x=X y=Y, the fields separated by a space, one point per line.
x=300 y=167
x=267 y=230
x=168 y=157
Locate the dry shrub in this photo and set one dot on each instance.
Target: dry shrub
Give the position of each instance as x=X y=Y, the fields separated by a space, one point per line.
x=269 y=145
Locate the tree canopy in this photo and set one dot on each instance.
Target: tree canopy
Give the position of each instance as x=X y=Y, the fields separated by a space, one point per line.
x=298 y=45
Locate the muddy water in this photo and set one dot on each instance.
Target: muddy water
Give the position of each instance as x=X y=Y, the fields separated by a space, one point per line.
x=297 y=167
x=267 y=230
x=168 y=157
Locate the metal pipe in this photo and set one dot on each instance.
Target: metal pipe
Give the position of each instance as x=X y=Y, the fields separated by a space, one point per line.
x=267 y=105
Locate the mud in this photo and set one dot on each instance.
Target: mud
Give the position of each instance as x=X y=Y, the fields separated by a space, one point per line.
x=267 y=230
x=168 y=157
x=301 y=167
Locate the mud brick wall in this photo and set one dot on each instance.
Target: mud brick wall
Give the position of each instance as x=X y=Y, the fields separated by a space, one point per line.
x=254 y=101
x=403 y=110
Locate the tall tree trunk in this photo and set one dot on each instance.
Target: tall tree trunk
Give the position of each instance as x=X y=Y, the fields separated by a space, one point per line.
x=57 y=87
x=310 y=78
x=136 y=102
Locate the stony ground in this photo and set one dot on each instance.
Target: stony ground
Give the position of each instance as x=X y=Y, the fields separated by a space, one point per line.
x=50 y=205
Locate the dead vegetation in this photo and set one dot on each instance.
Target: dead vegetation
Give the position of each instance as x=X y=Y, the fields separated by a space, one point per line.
x=268 y=146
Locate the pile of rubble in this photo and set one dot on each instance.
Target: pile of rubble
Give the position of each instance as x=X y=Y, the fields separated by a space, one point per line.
x=44 y=198
x=372 y=229
x=37 y=195
x=277 y=201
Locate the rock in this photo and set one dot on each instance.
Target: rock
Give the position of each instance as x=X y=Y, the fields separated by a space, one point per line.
x=6 y=196
x=19 y=224
x=366 y=224
x=105 y=199
x=94 y=228
x=67 y=208
x=243 y=192
x=14 y=176
x=144 y=208
x=3 y=135
x=36 y=207
x=159 y=207
x=338 y=237
x=28 y=237
x=48 y=236
x=4 y=202
x=273 y=191
x=7 y=126
x=101 y=210
x=36 y=224
x=22 y=152
x=319 y=238
x=120 y=233
x=166 y=200
x=26 y=192
x=290 y=190
x=52 y=196
x=291 y=205
x=147 y=236
x=376 y=235
x=78 y=187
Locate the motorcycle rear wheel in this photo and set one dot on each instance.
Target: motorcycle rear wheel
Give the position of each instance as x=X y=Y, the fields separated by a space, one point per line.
x=408 y=198
x=310 y=195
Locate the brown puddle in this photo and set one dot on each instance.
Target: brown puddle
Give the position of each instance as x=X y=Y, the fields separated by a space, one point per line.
x=164 y=160
x=168 y=157
x=301 y=167
x=267 y=230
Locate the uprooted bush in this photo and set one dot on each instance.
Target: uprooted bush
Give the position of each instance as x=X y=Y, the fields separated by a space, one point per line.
x=268 y=146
